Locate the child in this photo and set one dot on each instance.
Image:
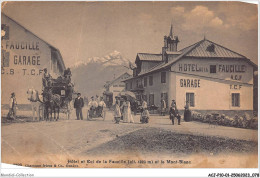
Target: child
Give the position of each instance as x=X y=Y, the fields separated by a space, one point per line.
x=117 y=113
x=145 y=116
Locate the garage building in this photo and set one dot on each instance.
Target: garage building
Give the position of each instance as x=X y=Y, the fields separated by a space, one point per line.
x=23 y=57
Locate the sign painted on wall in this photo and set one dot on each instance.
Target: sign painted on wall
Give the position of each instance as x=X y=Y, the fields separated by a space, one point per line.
x=20 y=59
x=235 y=87
x=190 y=83
x=192 y=68
x=236 y=77
x=232 y=68
x=33 y=72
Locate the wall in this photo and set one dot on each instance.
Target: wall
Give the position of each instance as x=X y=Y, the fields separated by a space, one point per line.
x=213 y=90
x=157 y=88
x=201 y=67
x=213 y=94
x=22 y=72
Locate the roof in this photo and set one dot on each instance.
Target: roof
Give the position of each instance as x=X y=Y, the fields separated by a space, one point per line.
x=149 y=57
x=208 y=48
x=202 y=48
x=51 y=46
x=111 y=82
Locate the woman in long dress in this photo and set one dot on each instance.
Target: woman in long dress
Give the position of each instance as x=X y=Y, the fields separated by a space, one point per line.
x=127 y=116
x=129 y=113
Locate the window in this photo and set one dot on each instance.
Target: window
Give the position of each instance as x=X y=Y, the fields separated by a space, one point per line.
x=145 y=81
x=150 y=80
x=131 y=85
x=145 y=98
x=126 y=86
x=164 y=96
x=5 y=59
x=151 y=99
x=213 y=69
x=190 y=98
x=163 y=77
x=137 y=83
x=235 y=99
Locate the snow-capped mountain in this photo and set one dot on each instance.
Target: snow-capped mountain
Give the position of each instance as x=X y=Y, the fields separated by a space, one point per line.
x=91 y=74
x=115 y=58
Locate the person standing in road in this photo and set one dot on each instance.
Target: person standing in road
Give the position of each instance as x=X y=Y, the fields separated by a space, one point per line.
x=163 y=107
x=101 y=106
x=117 y=113
x=187 y=112
x=174 y=113
x=143 y=108
x=78 y=105
x=127 y=115
x=12 y=107
x=144 y=105
x=92 y=107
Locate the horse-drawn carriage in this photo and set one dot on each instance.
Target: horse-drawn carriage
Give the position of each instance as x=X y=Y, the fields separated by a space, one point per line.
x=57 y=96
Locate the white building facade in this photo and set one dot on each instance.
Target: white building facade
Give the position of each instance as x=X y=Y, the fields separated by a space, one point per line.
x=24 y=56
x=212 y=78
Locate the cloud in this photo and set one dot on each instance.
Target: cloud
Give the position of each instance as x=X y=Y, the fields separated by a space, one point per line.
x=242 y=16
x=201 y=11
x=201 y=18
x=197 y=19
x=177 y=10
x=216 y=22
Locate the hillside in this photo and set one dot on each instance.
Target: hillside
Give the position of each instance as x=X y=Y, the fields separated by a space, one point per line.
x=90 y=75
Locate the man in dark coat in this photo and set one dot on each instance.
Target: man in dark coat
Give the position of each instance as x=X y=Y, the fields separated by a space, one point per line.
x=78 y=105
x=187 y=112
x=174 y=113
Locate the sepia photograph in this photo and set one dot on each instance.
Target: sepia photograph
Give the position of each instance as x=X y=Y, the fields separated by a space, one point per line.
x=129 y=84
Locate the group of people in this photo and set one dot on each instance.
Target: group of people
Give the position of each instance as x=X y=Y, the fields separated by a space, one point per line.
x=96 y=106
x=46 y=77
x=123 y=111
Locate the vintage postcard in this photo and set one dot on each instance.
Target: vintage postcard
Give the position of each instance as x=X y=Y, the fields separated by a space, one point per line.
x=129 y=84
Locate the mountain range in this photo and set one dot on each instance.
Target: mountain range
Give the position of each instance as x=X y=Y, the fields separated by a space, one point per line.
x=90 y=75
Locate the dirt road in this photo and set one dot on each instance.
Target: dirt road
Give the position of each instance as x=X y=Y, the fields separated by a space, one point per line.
x=37 y=143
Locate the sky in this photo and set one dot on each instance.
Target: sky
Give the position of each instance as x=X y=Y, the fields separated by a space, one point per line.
x=82 y=30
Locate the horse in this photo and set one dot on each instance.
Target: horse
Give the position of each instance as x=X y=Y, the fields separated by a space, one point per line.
x=51 y=102
x=36 y=102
